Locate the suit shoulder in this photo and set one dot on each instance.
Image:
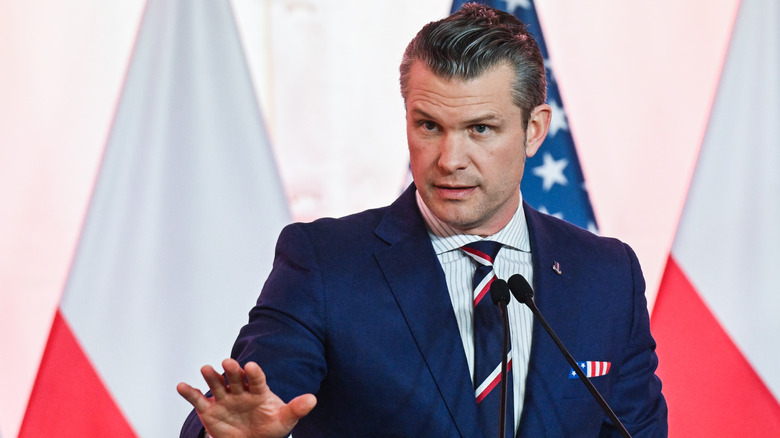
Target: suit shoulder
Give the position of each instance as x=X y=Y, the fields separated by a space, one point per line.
x=350 y=224
x=548 y=228
x=354 y=232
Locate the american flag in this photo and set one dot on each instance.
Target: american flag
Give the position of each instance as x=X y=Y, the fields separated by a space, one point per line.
x=553 y=181
x=592 y=368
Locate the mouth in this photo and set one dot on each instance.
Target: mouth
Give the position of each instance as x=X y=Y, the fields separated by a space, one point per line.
x=454 y=192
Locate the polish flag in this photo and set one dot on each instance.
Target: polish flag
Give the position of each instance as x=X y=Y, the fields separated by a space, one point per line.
x=177 y=240
x=716 y=318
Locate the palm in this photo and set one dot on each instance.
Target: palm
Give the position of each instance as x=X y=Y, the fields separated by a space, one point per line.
x=244 y=407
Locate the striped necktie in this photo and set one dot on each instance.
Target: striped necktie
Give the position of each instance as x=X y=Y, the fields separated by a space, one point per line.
x=488 y=336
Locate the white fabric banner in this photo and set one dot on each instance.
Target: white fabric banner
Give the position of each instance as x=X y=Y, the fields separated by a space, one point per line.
x=181 y=226
x=729 y=236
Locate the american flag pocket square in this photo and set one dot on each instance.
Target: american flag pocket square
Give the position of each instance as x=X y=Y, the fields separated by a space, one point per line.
x=592 y=368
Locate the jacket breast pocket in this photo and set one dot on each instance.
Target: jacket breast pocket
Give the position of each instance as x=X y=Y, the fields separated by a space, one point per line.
x=575 y=388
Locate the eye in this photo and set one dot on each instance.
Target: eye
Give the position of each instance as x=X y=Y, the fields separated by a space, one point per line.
x=428 y=125
x=481 y=129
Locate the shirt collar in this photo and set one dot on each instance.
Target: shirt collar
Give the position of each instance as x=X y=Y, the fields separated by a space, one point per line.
x=445 y=238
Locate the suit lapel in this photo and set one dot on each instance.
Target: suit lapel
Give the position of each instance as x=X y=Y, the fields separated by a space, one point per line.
x=417 y=281
x=547 y=372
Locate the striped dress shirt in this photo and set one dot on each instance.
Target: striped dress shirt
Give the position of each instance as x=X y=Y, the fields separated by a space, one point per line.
x=514 y=258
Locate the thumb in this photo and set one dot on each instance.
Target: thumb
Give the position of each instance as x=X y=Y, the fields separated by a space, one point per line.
x=298 y=408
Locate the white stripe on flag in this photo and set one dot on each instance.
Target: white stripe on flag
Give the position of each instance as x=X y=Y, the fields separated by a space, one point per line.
x=728 y=237
x=183 y=219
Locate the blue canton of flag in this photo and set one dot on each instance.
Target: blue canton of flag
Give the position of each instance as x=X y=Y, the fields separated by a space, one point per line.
x=553 y=181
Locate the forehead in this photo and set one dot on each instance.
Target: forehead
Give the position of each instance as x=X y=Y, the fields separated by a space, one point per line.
x=490 y=92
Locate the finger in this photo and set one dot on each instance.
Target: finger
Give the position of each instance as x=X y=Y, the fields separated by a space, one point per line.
x=298 y=408
x=235 y=376
x=255 y=378
x=215 y=381
x=193 y=396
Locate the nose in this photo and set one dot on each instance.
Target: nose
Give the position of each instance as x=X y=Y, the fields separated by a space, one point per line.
x=453 y=153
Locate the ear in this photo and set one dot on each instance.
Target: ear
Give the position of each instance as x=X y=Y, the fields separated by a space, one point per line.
x=536 y=131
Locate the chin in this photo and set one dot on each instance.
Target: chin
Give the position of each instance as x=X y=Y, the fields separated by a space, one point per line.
x=457 y=221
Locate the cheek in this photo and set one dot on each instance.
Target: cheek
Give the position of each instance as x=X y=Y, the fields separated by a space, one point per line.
x=420 y=156
x=510 y=166
x=416 y=164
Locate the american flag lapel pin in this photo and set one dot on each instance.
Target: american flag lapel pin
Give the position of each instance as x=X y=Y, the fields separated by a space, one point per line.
x=556 y=267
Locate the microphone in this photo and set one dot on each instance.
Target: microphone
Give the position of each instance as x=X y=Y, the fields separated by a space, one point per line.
x=523 y=292
x=499 y=293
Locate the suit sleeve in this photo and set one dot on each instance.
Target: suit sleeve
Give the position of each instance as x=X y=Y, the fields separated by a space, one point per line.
x=285 y=334
x=637 y=399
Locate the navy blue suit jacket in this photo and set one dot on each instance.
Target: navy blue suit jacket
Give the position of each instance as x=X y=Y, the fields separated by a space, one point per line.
x=356 y=311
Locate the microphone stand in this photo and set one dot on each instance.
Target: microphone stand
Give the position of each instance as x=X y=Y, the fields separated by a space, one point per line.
x=499 y=293
x=524 y=294
x=502 y=408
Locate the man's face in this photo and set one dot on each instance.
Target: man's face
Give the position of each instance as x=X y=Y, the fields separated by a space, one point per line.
x=467 y=146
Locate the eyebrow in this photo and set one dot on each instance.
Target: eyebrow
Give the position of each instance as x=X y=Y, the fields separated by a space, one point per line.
x=483 y=119
x=475 y=121
x=422 y=113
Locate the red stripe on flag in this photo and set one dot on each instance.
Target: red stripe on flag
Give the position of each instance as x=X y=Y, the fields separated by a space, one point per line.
x=710 y=387
x=68 y=398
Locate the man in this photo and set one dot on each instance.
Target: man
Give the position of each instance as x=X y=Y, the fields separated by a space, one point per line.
x=366 y=325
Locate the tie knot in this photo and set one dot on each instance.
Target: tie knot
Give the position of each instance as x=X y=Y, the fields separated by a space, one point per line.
x=483 y=251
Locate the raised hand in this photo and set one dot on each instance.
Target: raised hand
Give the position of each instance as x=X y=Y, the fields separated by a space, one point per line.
x=244 y=406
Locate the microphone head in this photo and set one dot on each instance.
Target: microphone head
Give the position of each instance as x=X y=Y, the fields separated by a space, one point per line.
x=499 y=292
x=521 y=289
